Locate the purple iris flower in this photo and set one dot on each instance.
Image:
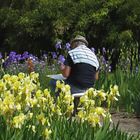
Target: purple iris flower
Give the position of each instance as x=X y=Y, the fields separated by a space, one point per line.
x=31 y=56
x=25 y=55
x=110 y=68
x=67 y=46
x=10 y=60
x=58 y=45
x=93 y=49
x=12 y=54
x=18 y=57
x=12 y=57
x=104 y=50
x=54 y=55
x=61 y=59
x=103 y=60
x=6 y=64
x=0 y=55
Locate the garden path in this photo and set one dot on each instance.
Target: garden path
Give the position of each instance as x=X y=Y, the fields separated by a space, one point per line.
x=128 y=123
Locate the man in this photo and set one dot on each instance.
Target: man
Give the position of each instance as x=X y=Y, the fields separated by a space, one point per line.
x=81 y=66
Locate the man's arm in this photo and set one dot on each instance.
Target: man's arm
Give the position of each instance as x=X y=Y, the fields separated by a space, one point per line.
x=65 y=70
x=97 y=75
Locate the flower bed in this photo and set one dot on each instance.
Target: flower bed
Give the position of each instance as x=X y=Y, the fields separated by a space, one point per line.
x=28 y=112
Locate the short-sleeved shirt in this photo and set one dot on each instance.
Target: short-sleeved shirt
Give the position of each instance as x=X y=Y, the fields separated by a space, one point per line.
x=82 y=75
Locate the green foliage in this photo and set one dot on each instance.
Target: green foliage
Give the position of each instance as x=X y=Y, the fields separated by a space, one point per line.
x=128 y=83
x=69 y=130
x=35 y=24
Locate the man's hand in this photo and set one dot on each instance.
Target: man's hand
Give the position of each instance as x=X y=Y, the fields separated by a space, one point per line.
x=65 y=70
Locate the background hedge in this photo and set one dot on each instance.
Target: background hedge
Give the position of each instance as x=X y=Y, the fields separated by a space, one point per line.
x=35 y=25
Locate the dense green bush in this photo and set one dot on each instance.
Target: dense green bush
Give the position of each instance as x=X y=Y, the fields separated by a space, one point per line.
x=36 y=24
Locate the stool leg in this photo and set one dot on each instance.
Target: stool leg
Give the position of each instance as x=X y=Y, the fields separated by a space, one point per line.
x=76 y=102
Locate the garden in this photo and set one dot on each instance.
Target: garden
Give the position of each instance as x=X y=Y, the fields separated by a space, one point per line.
x=35 y=39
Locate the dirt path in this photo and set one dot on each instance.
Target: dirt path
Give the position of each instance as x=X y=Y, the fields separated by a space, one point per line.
x=127 y=123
